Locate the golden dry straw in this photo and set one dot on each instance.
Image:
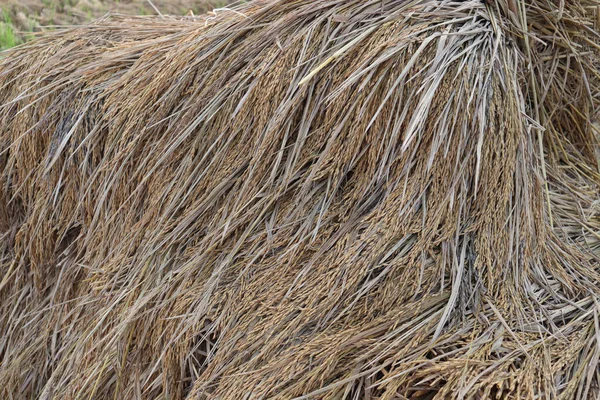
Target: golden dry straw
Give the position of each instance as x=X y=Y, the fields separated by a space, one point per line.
x=338 y=199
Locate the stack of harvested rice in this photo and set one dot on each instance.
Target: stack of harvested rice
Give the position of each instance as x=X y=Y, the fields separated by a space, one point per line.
x=339 y=199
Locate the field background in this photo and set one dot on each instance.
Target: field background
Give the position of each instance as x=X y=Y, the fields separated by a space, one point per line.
x=21 y=19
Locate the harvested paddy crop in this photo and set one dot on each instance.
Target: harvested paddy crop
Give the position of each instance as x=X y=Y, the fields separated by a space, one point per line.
x=304 y=199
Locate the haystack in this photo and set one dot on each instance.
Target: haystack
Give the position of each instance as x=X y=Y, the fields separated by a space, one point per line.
x=340 y=199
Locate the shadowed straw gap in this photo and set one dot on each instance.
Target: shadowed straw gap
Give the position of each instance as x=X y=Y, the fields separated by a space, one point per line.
x=304 y=199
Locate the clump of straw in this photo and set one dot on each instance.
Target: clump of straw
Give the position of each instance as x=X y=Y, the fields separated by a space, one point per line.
x=341 y=199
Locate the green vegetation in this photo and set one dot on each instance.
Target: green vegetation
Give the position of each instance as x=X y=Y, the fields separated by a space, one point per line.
x=8 y=38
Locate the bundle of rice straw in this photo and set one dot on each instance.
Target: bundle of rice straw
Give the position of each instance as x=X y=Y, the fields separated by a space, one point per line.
x=338 y=199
